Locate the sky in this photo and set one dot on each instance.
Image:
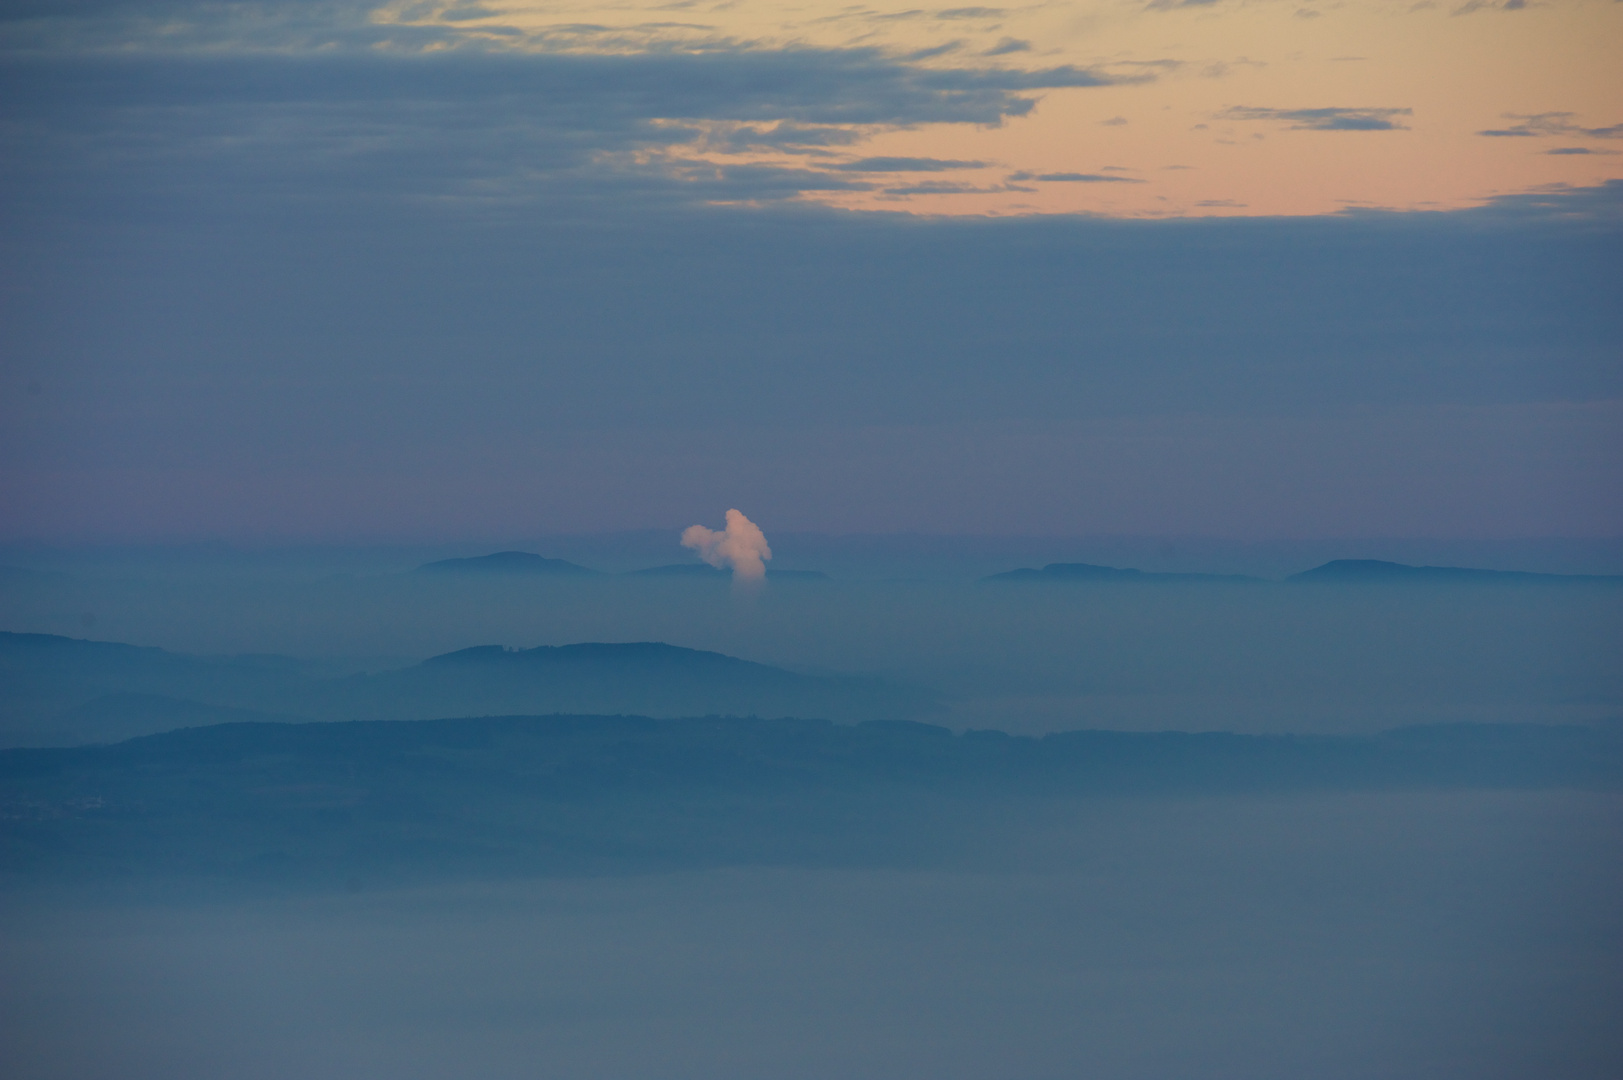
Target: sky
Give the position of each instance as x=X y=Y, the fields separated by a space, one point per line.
x=338 y=272
x=1164 y=108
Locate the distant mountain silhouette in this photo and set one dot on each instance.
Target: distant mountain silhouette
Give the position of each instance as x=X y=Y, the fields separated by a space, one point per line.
x=45 y=678
x=508 y=562
x=525 y=794
x=705 y=570
x=117 y=717
x=648 y=678
x=1339 y=570
x=58 y=690
x=1090 y=572
x=1376 y=570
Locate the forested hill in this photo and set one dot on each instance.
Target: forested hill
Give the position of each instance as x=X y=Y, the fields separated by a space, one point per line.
x=57 y=691
x=570 y=793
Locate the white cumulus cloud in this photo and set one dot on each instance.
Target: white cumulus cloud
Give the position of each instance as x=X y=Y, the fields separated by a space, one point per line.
x=741 y=546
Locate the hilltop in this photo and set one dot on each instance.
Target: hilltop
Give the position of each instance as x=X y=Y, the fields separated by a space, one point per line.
x=508 y=562
x=526 y=794
x=1337 y=570
x=647 y=677
x=1378 y=570
x=61 y=690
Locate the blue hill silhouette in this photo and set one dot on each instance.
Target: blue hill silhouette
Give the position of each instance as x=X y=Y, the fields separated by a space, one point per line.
x=1377 y=570
x=524 y=794
x=63 y=690
x=508 y=562
x=633 y=677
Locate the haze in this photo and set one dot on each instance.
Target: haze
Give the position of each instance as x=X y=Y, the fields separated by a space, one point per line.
x=705 y=540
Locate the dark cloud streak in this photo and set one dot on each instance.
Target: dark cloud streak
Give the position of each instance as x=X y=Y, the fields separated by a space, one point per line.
x=906 y=164
x=859 y=86
x=1086 y=178
x=471 y=126
x=1325 y=119
x=1543 y=125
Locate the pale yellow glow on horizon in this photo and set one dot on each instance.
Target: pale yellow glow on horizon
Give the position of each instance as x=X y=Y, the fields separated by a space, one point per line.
x=1174 y=140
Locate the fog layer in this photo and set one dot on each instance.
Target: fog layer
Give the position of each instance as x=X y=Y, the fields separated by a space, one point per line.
x=1343 y=936
x=1261 y=656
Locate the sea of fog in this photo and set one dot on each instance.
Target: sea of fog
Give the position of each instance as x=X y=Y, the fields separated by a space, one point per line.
x=1264 y=656
x=1442 y=933
x=1419 y=935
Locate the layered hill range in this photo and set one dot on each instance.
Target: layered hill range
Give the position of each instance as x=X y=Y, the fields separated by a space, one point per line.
x=1337 y=571
x=346 y=805
x=65 y=691
x=1344 y=571
x=527 y=564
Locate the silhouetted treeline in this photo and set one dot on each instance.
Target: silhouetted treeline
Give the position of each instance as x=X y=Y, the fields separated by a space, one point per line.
x=571 y=793
x=60 y=690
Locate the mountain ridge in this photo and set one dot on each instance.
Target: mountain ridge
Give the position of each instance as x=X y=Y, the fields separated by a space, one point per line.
x=1336 y=570
x=400 y=800
x=1380 y=570
x=140 y=682
x=515 y=563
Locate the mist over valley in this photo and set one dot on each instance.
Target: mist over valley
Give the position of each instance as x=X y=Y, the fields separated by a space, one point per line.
x=710 y=541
